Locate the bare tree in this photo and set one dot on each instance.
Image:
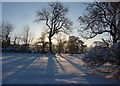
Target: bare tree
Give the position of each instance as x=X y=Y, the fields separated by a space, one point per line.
x=6 y=30
x=27 y=37
x=15 y=37
x=101 y=17
x=42 y=41
x=26 y=34
x=18 y=39
x=60 y=43
x=55 y=19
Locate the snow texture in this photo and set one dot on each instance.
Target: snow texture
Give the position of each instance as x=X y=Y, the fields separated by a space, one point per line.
x=23 y=68
x=0 y=68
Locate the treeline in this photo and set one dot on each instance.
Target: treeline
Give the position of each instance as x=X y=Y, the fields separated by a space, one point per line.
x=25 y=43
x=15 y=43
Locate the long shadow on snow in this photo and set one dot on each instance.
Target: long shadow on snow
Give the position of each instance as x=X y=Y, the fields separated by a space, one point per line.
x=52 y=71
x=92 y=78
x=60 y=64
x=16 y=72
x=51 y=68
x=79 y=67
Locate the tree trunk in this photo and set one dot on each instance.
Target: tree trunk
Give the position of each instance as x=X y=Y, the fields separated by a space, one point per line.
x=43 y=48
x=114 y=40
x=81 y=49
x=50 y=44
x=59 y=51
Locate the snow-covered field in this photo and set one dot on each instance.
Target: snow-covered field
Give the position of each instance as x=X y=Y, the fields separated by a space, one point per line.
x=23 y=68
x=0 y=68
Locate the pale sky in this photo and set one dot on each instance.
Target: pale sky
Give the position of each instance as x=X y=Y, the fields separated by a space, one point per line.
x=24 y=13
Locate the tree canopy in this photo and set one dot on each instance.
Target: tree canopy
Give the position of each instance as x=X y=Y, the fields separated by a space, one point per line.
x=55 y=19
x=101 y=17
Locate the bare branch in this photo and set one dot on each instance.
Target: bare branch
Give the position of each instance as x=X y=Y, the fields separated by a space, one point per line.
x=101 y=17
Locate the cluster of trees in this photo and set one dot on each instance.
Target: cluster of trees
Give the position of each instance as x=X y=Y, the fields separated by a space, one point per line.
x=17 y=43
x=5 y=35
x=23 y=43
x=72 y=46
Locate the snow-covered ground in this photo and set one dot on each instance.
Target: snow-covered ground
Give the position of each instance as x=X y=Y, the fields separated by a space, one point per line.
x=23 y=68
x=0 y=68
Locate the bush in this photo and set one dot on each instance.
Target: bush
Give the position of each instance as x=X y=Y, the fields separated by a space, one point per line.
x=99 y=56
x=116 y=51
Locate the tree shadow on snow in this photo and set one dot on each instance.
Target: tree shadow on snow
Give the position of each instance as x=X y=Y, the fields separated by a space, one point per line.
x=17 y=69
x=51 y=66
x=89 y=77
x=43 y=69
